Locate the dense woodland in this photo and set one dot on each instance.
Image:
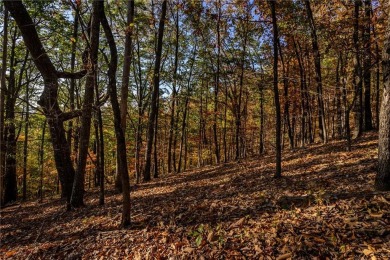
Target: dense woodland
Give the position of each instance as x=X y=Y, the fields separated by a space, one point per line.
x=104 y=99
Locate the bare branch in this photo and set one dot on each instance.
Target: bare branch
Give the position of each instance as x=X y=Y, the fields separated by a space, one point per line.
x=71 y=75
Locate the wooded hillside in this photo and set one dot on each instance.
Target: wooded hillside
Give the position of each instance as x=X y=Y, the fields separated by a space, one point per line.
x=153 y=99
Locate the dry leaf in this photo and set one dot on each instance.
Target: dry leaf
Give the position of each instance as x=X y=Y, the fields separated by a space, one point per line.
x=284 y=256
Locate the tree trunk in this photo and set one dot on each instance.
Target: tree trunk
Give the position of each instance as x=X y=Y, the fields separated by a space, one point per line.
x=119 y=134
x=278 y=119
x=10 y=178
x=304 y=99
x=286 y=100
x=72 y=86
x=126 y=74
x=318 y=76
x=77 y=199
x=261 y=145
x=357 y=79
x=216 y=90
x=155 y=153
x=100 y=145
x=172 y=124
x=183 y=129
x=48 y=100
x=25 y=143
x=367 y=66
x=41 y=161
x=2 y=103
x=155 y=94
x=382 y=180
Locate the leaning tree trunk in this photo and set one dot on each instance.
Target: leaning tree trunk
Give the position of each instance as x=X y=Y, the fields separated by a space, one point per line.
x=48 y=100
x=120 y=136
x=382 y=180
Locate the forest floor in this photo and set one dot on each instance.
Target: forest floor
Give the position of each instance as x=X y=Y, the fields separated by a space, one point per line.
x=324 y=207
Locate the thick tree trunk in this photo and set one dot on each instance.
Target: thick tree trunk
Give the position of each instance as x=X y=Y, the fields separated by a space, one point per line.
x=318 y=76
x=119 y=134
x=278 y=119
x=382 y=180
x=155 y=94
x=48 y=100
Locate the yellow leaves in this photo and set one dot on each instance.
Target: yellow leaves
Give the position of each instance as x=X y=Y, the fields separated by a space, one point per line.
x=10 y=253
x=367 y=252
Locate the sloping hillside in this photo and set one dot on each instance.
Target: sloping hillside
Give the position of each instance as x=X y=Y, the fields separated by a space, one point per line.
x=324 y=206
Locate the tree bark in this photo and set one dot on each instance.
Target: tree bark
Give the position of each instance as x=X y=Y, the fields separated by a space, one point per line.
x=72 y=86
x=357 y=79
x=77 y=199
x=216 y=90
x=48 y=100
x=318 y=76
x=172 y=123
x=278 y=119
x=119 y=134
x=10 y=178
x=126 y=74
x=2 y=102
x=155 y=95
x=382 y=180
x=367 y=123
x=25 y=143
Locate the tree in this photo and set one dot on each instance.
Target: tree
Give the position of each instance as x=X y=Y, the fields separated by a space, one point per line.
x=357 y=78
x=126 y=72
x=155 y=94
x=2 y=103
x=318 y=75
x=278 y=172
x=86 y=116
x=49 y=97
x=367 y=66
x=382 y=180
x=119 y=134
